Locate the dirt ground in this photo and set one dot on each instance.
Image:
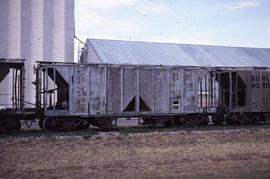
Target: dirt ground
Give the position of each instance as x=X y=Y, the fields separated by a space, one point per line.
x=236 y=153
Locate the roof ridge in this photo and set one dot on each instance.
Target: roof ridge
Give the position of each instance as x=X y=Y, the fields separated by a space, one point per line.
x=171 y=43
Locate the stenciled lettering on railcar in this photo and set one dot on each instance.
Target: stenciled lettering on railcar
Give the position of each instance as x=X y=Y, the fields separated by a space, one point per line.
x=257 y=81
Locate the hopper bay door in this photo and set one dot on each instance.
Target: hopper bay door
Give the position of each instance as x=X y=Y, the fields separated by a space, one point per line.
x=129 y=89
x=145 y=93
x=136 y=90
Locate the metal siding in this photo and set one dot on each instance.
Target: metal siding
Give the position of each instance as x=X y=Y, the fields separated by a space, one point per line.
x=151 y=53
x=190 y=104
x=81 y=90
x=97 y=90
x=71 y=91
x=161 y=90
x=265 y=91
x=258 y=95
x=253 y=95
x=146 y=86
x=113 y=90
x=255 y=92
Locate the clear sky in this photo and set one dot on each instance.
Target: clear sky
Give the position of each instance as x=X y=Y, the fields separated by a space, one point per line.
x=216 y=22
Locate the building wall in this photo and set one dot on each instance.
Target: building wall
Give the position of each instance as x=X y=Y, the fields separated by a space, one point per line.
x=36 y=30
x=89 y=54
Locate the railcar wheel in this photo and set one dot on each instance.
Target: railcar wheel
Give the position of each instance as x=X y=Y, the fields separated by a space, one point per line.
x=234 y=119
x=67 y=124
x=4 y=125
x=260 y=118
x=40 y=123
x=146 y=121
x=218 y=119
x=229 y=120
x=49 y=124
x=253 y=119
x=203 y=121
x=169 y=123
x=102 y=123
x=248 y=119
x=174 y=122
x=191 y=121
x=84 y=125
x=9 y=125
x=16 y=125
x=178 y=121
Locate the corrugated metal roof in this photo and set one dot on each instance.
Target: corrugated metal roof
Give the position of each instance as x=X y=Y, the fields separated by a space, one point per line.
x=151 y=53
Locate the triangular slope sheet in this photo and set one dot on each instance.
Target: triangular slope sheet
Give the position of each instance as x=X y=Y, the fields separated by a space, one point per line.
x=143 y=105
x=131 y=107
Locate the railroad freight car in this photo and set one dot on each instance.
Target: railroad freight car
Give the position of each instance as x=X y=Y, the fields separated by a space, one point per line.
x=12 y=103
x=72 y=95
x=244 y=95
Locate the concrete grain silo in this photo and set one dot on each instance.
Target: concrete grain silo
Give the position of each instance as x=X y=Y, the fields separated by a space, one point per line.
x=35 y=30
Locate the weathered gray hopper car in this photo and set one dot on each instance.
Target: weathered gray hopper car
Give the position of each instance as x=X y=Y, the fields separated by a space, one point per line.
x=100 y=93
x=79 y=94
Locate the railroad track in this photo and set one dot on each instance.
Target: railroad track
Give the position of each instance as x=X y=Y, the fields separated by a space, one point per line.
x=130 y=129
